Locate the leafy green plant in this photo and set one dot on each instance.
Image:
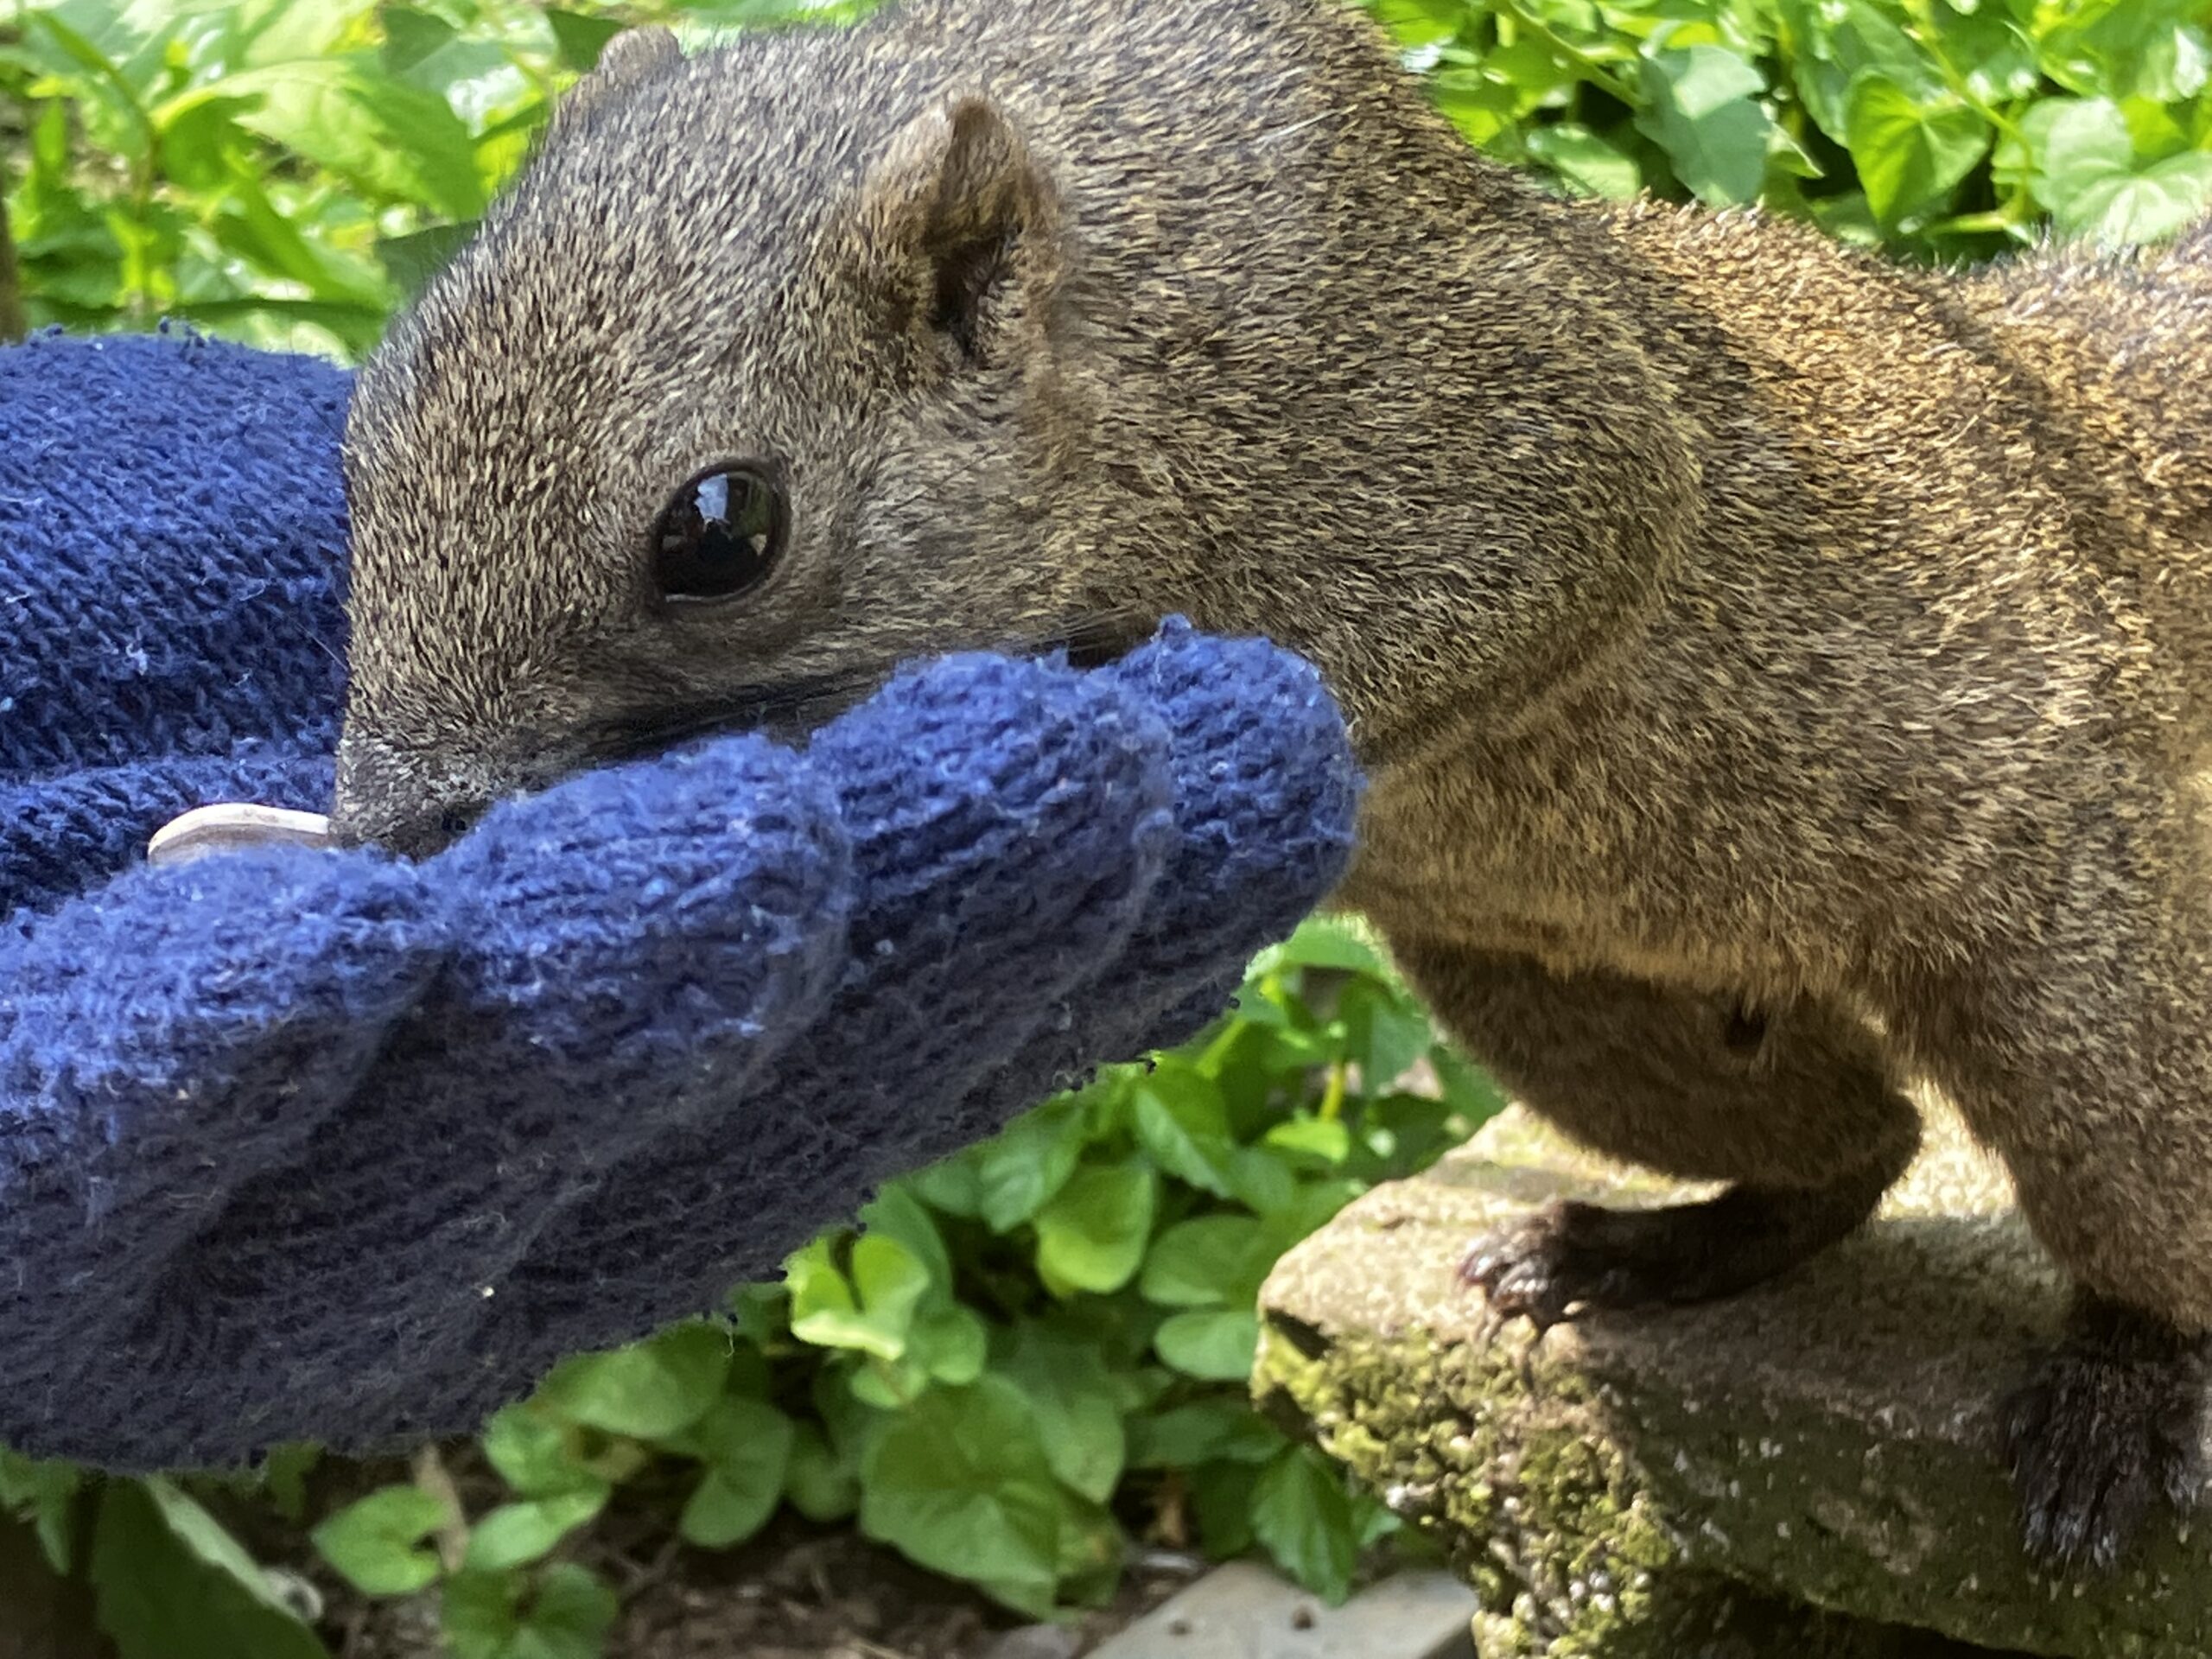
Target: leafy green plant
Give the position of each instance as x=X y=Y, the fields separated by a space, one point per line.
x=1023 y=1352
x=287 y=171
x=283 y=171
x=169 y=1577
x=1940 y=128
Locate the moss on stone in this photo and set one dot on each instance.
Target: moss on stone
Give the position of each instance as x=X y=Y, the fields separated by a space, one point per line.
x=1807 y=1472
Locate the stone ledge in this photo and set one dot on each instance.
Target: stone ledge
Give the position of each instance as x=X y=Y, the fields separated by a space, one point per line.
x=1245 y=1611
x=1809 y=1470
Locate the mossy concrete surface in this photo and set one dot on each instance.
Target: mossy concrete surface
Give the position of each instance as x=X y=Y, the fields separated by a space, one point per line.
x=1808 y=1471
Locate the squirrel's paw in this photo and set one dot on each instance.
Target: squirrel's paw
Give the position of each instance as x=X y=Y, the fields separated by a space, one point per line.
x=1569 y=1255
x=2106 y=1426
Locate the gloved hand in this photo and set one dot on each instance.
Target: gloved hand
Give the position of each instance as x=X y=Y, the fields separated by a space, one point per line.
x=305 y=1144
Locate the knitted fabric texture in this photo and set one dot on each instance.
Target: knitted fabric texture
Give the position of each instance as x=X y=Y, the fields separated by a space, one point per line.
x=310 y=1145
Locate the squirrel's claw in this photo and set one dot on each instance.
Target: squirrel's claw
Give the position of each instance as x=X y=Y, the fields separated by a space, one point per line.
x=2105 y=1426
x=1539 y=1269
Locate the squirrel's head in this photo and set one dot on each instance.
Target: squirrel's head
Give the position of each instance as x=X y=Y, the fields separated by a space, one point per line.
x=757 y=386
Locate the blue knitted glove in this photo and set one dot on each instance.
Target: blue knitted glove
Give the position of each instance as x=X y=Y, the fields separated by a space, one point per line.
x=303 y=1144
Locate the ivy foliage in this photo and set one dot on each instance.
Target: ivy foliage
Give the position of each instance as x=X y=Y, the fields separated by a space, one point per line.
x=1941 y=129
x=288 y=171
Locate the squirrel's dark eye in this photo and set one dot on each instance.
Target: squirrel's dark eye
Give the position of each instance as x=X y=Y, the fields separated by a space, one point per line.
x=720 y=534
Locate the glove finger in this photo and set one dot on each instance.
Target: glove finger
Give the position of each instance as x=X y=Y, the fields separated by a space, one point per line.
x=163 y=1042
x=629 y=940
x=1010 y=820
x=643 y=934
x=1266 y=796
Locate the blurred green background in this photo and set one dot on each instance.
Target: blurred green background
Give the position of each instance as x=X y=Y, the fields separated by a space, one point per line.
x=286 y=171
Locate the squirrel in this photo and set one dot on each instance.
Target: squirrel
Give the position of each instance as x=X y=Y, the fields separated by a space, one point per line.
x=1782 y=675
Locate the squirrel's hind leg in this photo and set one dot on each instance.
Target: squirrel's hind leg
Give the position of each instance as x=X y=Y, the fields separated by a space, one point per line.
x=1792 y=1106
x=2087 y=1069
x=1568 y=1256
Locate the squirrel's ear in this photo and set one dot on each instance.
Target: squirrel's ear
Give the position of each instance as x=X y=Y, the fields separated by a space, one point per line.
x=959 y=225
x=630 y=57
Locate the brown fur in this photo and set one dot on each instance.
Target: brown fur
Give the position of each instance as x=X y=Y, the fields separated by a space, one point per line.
x=1783 y=676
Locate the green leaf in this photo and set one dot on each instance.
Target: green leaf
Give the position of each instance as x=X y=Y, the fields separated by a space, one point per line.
x=1092 y=1545
x=1211 y=1262
x=2086 y=171
x=821 y=1486
x=283 y=31
x=1468 y=1090
x=960 y=1482
x=45 y=1490
x=111 y=99
x=851 y=1424
x=1702 y=110
x=1324 y=941
x=283 y=1475
x=896 y=1213
x=169 y=1583
x=1218 y=1344
x=209 y=1541
x=1587 y=162
x=1421 y=22
x=1302 y=1513
x=1261 y=1181
x=1910 y=153
x=1078 y=1413
x=1327 y=1140
x=581 y=37
x=1182 y=1122
x=375 y=1542
x=1314 y=1206
x=201 y=150
x=2133 y=48
x=533 y=1454
x=412 y=35
x=496 y=1616
x=950 y=1345
x=1840 y=39
x=871 y=1311
x=1402 y=1134
x=122 y=41
x=951 y=1186
x=415 y=256
x=746 y=1447
x=648 y=1390
x=1203 y=1431
x=2163 y=200
x=1092 y=1235
x=1299 y=1048
x=2075 y=142
x=1221 y=1498
x=515 y=1533
x=392 y=140
x=1482 y=105
x=1989 y=48
x=1029 y=1161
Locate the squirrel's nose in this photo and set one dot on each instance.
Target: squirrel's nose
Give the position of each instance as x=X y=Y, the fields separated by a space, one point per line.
x=408 y=802
x=417 y=836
